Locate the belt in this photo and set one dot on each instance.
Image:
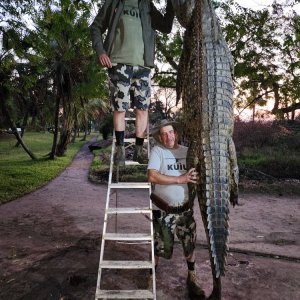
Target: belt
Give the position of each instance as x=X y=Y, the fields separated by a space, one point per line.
x=178 y=209
x=163 y=205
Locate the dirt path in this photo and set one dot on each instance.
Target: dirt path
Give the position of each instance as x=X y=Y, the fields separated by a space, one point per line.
x=50 y=243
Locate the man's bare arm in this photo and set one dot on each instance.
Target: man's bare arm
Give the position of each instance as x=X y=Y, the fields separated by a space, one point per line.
x=191 y=176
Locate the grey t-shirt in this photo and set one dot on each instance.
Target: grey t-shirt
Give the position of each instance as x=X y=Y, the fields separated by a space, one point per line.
x=128 y=46
x=171 y=162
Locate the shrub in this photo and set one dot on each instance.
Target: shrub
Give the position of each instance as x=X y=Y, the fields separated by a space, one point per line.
x=107 y=127
x=269 y=147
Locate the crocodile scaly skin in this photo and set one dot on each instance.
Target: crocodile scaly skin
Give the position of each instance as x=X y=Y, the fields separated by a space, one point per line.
x=205 y=85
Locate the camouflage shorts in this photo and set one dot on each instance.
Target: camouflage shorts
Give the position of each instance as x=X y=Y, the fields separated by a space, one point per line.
x=129 y=87
x=165 y=225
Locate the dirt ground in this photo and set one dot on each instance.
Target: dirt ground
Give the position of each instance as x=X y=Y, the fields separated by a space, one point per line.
x=50 y=244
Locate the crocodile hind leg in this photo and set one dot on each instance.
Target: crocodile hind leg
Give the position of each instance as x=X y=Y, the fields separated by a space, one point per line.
x=217 y=286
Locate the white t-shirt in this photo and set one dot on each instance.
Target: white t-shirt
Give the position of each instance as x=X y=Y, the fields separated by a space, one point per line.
x=171 y=162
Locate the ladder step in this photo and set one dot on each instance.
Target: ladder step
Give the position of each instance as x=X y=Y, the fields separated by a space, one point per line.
x=126 y=264
x=124 y=294
x=130 y=185
x=127 y=237
x=131 y=140
x=128 y=210
x=132 y=163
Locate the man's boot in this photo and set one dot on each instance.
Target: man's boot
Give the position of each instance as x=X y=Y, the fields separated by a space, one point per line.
x=119 y=156
x=138 y=155
x=193 y=285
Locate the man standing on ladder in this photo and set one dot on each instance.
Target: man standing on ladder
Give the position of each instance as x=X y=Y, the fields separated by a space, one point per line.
x=128 y=53
x=167 y=171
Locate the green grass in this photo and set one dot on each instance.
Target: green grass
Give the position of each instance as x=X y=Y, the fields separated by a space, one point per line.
x=279 y=161
x=101 y=158
x=19 y=174
x=272 y=148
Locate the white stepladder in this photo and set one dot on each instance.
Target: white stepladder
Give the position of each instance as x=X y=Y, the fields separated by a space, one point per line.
x=145 y=238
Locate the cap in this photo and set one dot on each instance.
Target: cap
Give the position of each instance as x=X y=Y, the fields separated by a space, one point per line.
x=162 y=123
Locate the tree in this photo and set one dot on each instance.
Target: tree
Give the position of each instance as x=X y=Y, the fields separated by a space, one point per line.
x=92 y=93
x=6 y=103
x=64 y=43
x=164 y=104
x=15 y=81
x=265 y=46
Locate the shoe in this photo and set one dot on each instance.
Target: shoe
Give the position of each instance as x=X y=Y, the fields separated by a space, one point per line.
x=119 y=156
x=138 y=155
x=193 y=285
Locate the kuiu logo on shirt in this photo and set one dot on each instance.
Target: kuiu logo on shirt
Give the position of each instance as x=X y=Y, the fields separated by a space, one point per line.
x=177 y=166
x=132 y=11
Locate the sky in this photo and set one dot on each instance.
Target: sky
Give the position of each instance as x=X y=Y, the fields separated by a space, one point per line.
x=256 y=5
x=259 y=4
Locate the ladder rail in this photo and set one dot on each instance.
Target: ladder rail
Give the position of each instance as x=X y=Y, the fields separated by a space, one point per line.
x=98 y=286
x=123 y=238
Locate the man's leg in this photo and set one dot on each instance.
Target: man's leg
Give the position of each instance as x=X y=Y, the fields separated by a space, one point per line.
x=141 y=100
x=119 y=126
x=186 y=233
x=141 y=126
x=141 y=123
x=190 y=260
x=192 y=281
x=119 y=120
x=119 y=92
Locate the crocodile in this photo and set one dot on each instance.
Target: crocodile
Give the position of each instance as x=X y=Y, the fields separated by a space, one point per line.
x=204 y=83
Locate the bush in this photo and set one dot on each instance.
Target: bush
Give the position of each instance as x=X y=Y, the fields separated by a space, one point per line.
x=253 y=134
x=107 y=127
x=269 y=147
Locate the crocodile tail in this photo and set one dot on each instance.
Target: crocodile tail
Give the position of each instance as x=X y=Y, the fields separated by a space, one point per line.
x=216 y=194
x=218 y=231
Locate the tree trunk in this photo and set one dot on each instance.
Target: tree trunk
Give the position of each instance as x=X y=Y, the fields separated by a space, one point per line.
x=56 y=118
x=66 y=130
x=85 y=118
x=24 y=124
x=275 y=109
x=13 y=126
x=20 y=141
x=76 y=130
x=63 y=142
x=253 y=113
x=85 y=134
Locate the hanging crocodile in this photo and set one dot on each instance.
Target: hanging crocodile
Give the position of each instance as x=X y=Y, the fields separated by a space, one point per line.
x=204 y=83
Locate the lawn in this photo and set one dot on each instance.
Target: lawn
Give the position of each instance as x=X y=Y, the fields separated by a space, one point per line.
x=19 y=174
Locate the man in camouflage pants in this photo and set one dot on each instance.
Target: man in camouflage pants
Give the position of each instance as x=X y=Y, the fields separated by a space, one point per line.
x=174 y=214
x=128 y=53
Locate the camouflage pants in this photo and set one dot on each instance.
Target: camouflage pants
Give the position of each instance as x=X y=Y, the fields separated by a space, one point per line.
x=165 y=226
x=129 y=87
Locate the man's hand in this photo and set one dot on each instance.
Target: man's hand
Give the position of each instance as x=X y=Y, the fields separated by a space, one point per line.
x=191 y=176
x=105 y=61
